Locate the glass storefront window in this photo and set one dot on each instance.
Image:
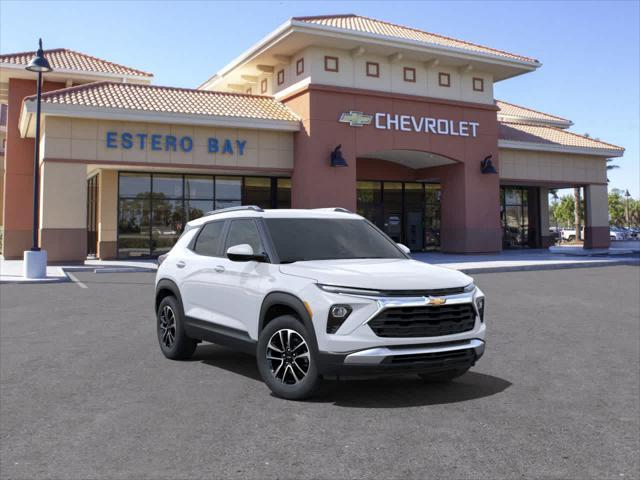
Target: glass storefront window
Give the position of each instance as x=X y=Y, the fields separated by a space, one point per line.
x=153 y=208
x=135 y=184
x=518 y=225
x=257 y=191
x=228 y=192
x=283 y=199
x=198 y=188
x=134 y=227
x=408 y=212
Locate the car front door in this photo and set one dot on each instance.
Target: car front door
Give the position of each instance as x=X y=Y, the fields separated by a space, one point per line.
x=241 y=282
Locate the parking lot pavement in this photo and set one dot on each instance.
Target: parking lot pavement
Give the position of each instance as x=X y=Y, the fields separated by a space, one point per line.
x=86 y=393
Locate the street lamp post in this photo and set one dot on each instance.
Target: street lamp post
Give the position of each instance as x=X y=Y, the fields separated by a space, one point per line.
x=35 y=260
x=626 y=208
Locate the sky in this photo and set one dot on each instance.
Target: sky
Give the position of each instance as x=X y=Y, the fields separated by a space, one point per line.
x=590 y=51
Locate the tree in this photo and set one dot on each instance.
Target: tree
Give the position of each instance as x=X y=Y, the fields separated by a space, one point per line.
x=576 y=212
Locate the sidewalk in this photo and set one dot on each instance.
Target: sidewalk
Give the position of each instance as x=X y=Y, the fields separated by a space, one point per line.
x=506 y=261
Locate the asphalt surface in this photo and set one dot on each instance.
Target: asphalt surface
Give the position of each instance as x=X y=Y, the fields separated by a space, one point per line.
x=86 y=393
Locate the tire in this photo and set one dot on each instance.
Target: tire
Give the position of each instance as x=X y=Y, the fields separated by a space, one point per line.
x=571 y=238
x=287 y=372
x=443 y=377
x=174 y=343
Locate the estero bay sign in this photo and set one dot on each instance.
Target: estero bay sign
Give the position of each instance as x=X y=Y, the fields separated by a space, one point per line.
x=171 y=143
x=411 y=123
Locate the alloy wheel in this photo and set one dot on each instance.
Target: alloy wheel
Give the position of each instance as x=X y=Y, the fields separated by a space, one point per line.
x=167 y=326
x=288 y=356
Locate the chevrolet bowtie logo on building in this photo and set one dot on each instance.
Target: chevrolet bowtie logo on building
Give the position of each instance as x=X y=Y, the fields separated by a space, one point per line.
x=356 y=119
x=436 y=301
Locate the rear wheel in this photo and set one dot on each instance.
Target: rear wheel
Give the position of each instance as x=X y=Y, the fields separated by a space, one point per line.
x=443 y=377
x=287 y=359
x=174 y=343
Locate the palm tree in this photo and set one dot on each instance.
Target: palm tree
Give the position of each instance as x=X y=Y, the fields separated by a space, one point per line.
x=576 y=210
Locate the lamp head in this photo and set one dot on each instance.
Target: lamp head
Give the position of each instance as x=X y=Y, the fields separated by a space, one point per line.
x=337 y=160
x=39 y=62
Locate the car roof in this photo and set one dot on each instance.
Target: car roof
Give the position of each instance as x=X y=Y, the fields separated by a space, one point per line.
x=254 y=212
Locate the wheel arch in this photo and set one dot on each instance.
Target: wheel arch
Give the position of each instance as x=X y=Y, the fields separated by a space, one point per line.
x=276 y=304
x=166 y=288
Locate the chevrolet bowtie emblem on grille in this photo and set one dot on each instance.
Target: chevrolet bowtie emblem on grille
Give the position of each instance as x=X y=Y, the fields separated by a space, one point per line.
x=436 y=301
x=356 y=119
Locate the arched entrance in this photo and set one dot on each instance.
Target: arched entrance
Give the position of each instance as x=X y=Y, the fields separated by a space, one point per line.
x=399 y=191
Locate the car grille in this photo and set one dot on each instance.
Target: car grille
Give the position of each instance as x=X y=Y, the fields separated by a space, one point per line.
x=424 y=321
x=437 y=359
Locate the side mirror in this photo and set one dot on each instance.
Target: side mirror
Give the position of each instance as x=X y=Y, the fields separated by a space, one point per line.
x=404 y=248
x=244 y=253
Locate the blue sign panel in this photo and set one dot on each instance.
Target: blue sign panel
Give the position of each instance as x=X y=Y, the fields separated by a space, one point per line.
x=171 y=143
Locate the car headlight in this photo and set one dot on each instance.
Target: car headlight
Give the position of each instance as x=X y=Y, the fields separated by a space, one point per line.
x=470 y=288
x=480 y=306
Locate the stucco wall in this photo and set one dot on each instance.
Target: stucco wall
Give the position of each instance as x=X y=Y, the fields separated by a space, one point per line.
x=85 y=140
x=352 y=73
x=551 y=167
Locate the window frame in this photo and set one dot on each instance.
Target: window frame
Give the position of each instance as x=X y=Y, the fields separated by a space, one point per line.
x=327 y=59
x=280 y=76
x=444 y=75
x=300 y=66
x=263 y=85
x=377 y=67
x=480 y=82
x=407 y=70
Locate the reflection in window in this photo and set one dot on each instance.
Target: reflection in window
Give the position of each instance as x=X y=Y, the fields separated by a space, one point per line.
x=153 y=208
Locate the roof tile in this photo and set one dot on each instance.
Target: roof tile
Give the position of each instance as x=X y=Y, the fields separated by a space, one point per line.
x=65 y=59
x=512 y=110
x=152 y=98
x=379 y=27
x=517 y=132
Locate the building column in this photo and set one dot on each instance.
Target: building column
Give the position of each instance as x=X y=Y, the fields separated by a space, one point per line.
x=18 y=173
x=107 y=214
x=596 y=216
x=63 y=211
x=314 y=182
x=470 y=209
x=546 y=239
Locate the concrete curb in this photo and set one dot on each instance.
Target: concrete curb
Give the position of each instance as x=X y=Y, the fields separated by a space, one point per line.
x=553 y=266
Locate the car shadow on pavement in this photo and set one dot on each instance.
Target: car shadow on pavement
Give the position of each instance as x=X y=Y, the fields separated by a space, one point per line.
x=390 y=391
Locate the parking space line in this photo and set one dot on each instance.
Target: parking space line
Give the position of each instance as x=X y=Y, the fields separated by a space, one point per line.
x=75 y=280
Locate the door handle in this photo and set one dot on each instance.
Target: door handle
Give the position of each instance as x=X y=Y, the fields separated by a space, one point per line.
x=219 y=268
x=181 y=264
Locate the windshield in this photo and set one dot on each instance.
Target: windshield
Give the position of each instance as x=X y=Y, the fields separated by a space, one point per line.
x=298 y=239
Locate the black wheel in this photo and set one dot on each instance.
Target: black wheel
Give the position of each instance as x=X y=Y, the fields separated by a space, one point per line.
x=174 y=343
x=571 y=238
x=287 y=358
x=443 y=377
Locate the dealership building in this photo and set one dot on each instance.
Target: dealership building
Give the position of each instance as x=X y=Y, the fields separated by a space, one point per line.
x=398 y=124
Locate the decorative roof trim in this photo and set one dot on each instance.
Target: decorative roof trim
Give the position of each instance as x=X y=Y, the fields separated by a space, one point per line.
x=545 y=147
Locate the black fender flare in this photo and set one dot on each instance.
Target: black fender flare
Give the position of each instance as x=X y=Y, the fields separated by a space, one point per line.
x=293 y=302
x=166 y=284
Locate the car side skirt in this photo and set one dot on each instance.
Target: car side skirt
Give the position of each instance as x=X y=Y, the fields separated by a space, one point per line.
x=220 y=334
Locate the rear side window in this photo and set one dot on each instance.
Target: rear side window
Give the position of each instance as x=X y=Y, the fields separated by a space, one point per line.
x=208 y=241
x=244 y=231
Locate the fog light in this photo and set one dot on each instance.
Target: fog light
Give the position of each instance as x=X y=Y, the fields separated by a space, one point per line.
x=337 y=315
x=480 y=305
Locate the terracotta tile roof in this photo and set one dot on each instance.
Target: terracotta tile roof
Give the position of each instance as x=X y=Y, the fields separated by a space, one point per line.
x=379 y=27
x=517 y=132
x=512 y=110
x=65 y=59
x=152 y=98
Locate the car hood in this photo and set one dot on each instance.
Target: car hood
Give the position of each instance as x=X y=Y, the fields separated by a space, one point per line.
x=378 y=274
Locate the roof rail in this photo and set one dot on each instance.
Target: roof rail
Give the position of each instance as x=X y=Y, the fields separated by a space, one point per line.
x=253 y=208
x=334 y=209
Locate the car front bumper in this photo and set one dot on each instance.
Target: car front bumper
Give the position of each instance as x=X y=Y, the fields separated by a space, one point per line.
x=426 y=358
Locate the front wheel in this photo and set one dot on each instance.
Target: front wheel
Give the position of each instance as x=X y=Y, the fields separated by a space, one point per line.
x=443 y=377
x=286 y=359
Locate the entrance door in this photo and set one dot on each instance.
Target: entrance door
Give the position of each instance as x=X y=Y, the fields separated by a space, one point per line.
x=92 y=216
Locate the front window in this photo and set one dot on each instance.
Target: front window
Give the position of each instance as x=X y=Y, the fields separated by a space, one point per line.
x=302 y=239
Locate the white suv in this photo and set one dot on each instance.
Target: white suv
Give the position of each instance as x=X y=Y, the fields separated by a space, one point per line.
x=314 y=293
